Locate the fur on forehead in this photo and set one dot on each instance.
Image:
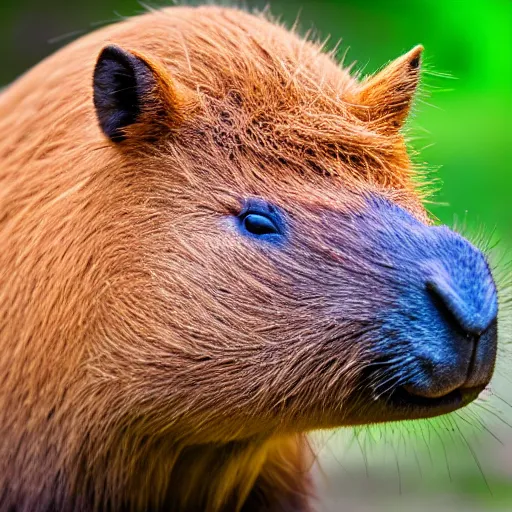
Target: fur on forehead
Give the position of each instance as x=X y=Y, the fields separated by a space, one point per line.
x=277 y=99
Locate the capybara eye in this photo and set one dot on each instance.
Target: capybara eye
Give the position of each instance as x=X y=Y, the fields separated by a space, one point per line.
x=259 y=224
x=258 y=218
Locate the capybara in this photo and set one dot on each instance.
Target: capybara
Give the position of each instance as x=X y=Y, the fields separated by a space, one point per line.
x=212 y=243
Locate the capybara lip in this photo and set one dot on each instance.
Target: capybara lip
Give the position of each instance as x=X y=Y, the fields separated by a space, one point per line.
x=403 y=399
x=423 y=406
x=400 y=405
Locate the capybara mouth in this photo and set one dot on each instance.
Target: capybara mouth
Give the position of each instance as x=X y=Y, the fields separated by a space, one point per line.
x=404 y=401
x=416 y=406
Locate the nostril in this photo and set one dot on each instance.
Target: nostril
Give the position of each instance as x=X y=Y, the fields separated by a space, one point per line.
x=466 y=315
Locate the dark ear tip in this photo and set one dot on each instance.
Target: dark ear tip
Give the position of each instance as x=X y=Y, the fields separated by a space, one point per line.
x=415 y=57
x=114 y=52
x=112 y=57
x=415 y=62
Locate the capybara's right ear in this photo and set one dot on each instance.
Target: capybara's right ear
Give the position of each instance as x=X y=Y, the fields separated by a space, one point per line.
x=132 y=95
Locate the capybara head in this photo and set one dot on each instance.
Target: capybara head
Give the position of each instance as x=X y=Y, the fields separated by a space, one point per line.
x=213 y=234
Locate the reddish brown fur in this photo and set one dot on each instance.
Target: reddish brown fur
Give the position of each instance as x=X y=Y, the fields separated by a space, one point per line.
x=120 y=387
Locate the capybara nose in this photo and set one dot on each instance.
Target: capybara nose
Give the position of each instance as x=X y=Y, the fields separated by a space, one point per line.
x=467 y=311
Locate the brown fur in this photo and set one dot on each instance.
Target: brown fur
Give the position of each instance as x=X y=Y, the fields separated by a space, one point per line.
x=130 y=379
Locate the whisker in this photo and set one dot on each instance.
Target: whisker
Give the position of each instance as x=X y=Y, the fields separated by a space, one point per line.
x=475 y=458
x=493 y=413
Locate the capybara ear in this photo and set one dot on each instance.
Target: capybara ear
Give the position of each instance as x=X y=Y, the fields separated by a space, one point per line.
x=132 y=95
x=386 y=97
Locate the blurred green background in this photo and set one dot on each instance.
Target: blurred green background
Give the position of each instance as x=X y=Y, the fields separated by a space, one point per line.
x=462 y=124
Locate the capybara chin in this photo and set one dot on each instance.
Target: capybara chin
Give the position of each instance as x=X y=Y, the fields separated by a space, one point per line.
x=211 y=244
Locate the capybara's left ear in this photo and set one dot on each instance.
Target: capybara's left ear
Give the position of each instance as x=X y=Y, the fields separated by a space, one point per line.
x=385 y=99
x=133 y=96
